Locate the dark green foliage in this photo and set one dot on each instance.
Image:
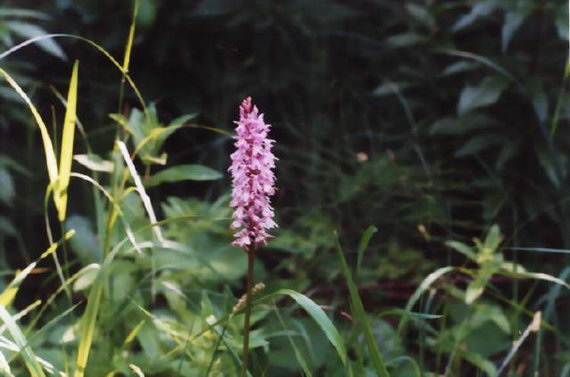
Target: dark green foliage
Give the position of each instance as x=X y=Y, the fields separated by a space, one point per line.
x=428 y=120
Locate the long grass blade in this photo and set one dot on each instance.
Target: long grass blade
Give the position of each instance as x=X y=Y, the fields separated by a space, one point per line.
x=51 y=161
x=425 y=284
x=361 y=317
x=317 y=314
x=66 y=155
x=88 y=322
x=140 y=188
x=89 y=42
x=129 y=45
x=28 y=355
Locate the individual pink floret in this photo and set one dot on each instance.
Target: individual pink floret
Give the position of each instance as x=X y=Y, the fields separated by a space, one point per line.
x=252 y=178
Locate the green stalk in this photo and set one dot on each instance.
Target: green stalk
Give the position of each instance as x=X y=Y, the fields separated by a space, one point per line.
x=560 y=102
x=246 y=321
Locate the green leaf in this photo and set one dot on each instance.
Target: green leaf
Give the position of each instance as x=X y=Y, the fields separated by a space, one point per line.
x=183 y=173
x=462 y=248
x=513 y=20
x=425 y=284
x=462 y=125
x=7 y=187
x=477 y=144
x=492 y=240
x=86 y=277
x=536 y=276
x=50 y=159
x=475 y=289
x=319 y=317
x=491 y=313
x=28 y=355
x=478 y=10
x=66 y=155
x=23 y=13
x=390 y=88
x=32 y=31
x=94 y=162
x=421 y=15
x=458 y=67
x=361 y=318
x=561 y=21
x=480 y=362
x=486 y=93
x=364 y=241
x=405 y=40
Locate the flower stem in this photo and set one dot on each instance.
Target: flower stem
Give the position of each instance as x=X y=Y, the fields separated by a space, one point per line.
x=250 y=258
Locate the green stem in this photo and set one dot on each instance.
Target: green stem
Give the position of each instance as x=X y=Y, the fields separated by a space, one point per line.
x=250 y=258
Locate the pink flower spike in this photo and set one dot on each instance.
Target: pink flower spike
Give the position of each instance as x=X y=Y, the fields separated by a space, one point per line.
x=253 y=181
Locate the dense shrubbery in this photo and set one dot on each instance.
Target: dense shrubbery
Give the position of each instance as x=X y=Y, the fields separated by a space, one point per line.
x=428 y=120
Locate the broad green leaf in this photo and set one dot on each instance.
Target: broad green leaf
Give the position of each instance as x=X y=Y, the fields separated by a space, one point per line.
x=486 y=93
x=67 y=139
x=183 y=173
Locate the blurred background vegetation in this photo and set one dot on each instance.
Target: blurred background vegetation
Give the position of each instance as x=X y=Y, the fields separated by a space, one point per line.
x=430 y=120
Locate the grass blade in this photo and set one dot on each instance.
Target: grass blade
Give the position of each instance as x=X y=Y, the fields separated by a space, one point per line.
x=66 y=155
x=141 y=190
x=363 y=245
x=28 y=355
x=318 y=315
x=88 y=322
x=360 y=316
x=129 y=46
x=51 y=161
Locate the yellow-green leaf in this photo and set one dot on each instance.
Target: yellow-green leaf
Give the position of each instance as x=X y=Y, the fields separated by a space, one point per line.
x=51 y=161
x=66 y=156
